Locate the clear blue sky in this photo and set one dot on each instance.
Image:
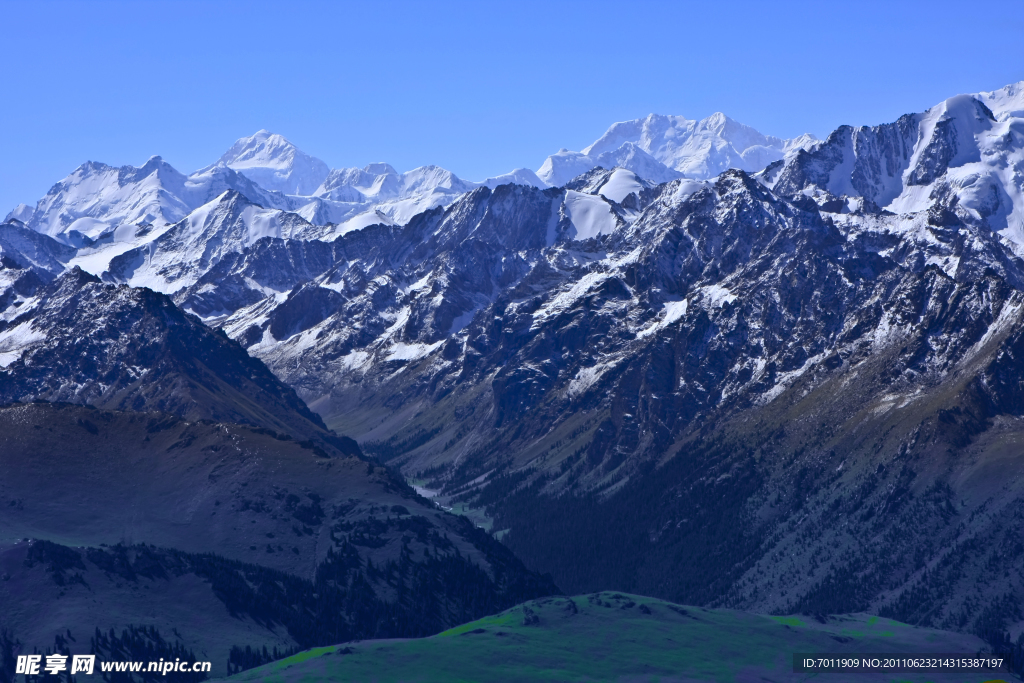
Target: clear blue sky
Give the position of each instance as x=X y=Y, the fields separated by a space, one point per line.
x=477 y=87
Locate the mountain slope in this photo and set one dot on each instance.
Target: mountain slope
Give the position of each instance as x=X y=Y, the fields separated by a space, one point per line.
x=165 y=517
x=28 y=260
x=612 y=637
x=98 y=203
x=960 y=153
x=608 y=388
x=115 y=347
x=105 y=211
x=25 y=248
x=792 y=389
x=187 y=250
x=647 y=385
x=275 y=164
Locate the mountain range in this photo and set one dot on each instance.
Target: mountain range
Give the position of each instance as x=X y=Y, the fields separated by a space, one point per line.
x=690 y=361
x=104 y=210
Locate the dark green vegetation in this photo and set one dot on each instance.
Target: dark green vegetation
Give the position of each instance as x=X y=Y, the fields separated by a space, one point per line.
x=208 y=605
x=222 y=536
x=620 y=637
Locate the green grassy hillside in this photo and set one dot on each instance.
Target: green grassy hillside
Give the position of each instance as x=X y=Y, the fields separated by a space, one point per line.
x=619 y=637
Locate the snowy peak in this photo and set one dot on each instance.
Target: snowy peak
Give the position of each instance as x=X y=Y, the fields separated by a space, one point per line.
x=94 y=199
x=949 y=135
x=184 y=252
x=381 y=181
x=269 y=160
x=1005 y=103
x=430 y=178
x=959 y=156
x=379 y=168
x=661 y=148
x=519 y=176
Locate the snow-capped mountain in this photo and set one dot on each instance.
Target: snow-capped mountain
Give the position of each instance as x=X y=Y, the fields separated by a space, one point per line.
x=28 y=260
x=356 y=197
x=565 y=339
x=22 y=247
x=273 y=163
x=106 y=211
x=966 y=152
x=661 y=148
x=102 y=203
x=186 y=250
x=82 y=341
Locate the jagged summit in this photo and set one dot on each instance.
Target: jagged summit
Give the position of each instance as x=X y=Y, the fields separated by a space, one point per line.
x=1006 y=102
x=276 y=164
x=962 y=155
x=660 y=148
x=106 y=211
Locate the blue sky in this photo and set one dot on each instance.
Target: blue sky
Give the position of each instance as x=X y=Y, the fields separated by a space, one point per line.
x=477 y=87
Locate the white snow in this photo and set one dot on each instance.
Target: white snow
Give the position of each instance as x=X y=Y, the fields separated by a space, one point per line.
x=462 y=320
x=620 y=185
x=520 y=176
x=567 y=297
x=22 y=212
x=88 y=226
x=373 y=217
x=14 y=342
x=423 y=283
x=718 y=296
x=355 y=360
x=659 y=148
x=982 y=173
x=671 y=312
x=785 y=379
x=590 y=215
x=275 y=164
x=586 y=377
x=177 y=256
x=687 y=187
x=404 y=351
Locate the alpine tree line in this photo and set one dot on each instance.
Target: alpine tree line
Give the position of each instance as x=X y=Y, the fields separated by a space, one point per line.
x=428 y=590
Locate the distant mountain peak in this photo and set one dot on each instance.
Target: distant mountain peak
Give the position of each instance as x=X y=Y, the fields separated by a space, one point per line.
x=379 y=168
x=662 y=147
x=273 y=162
